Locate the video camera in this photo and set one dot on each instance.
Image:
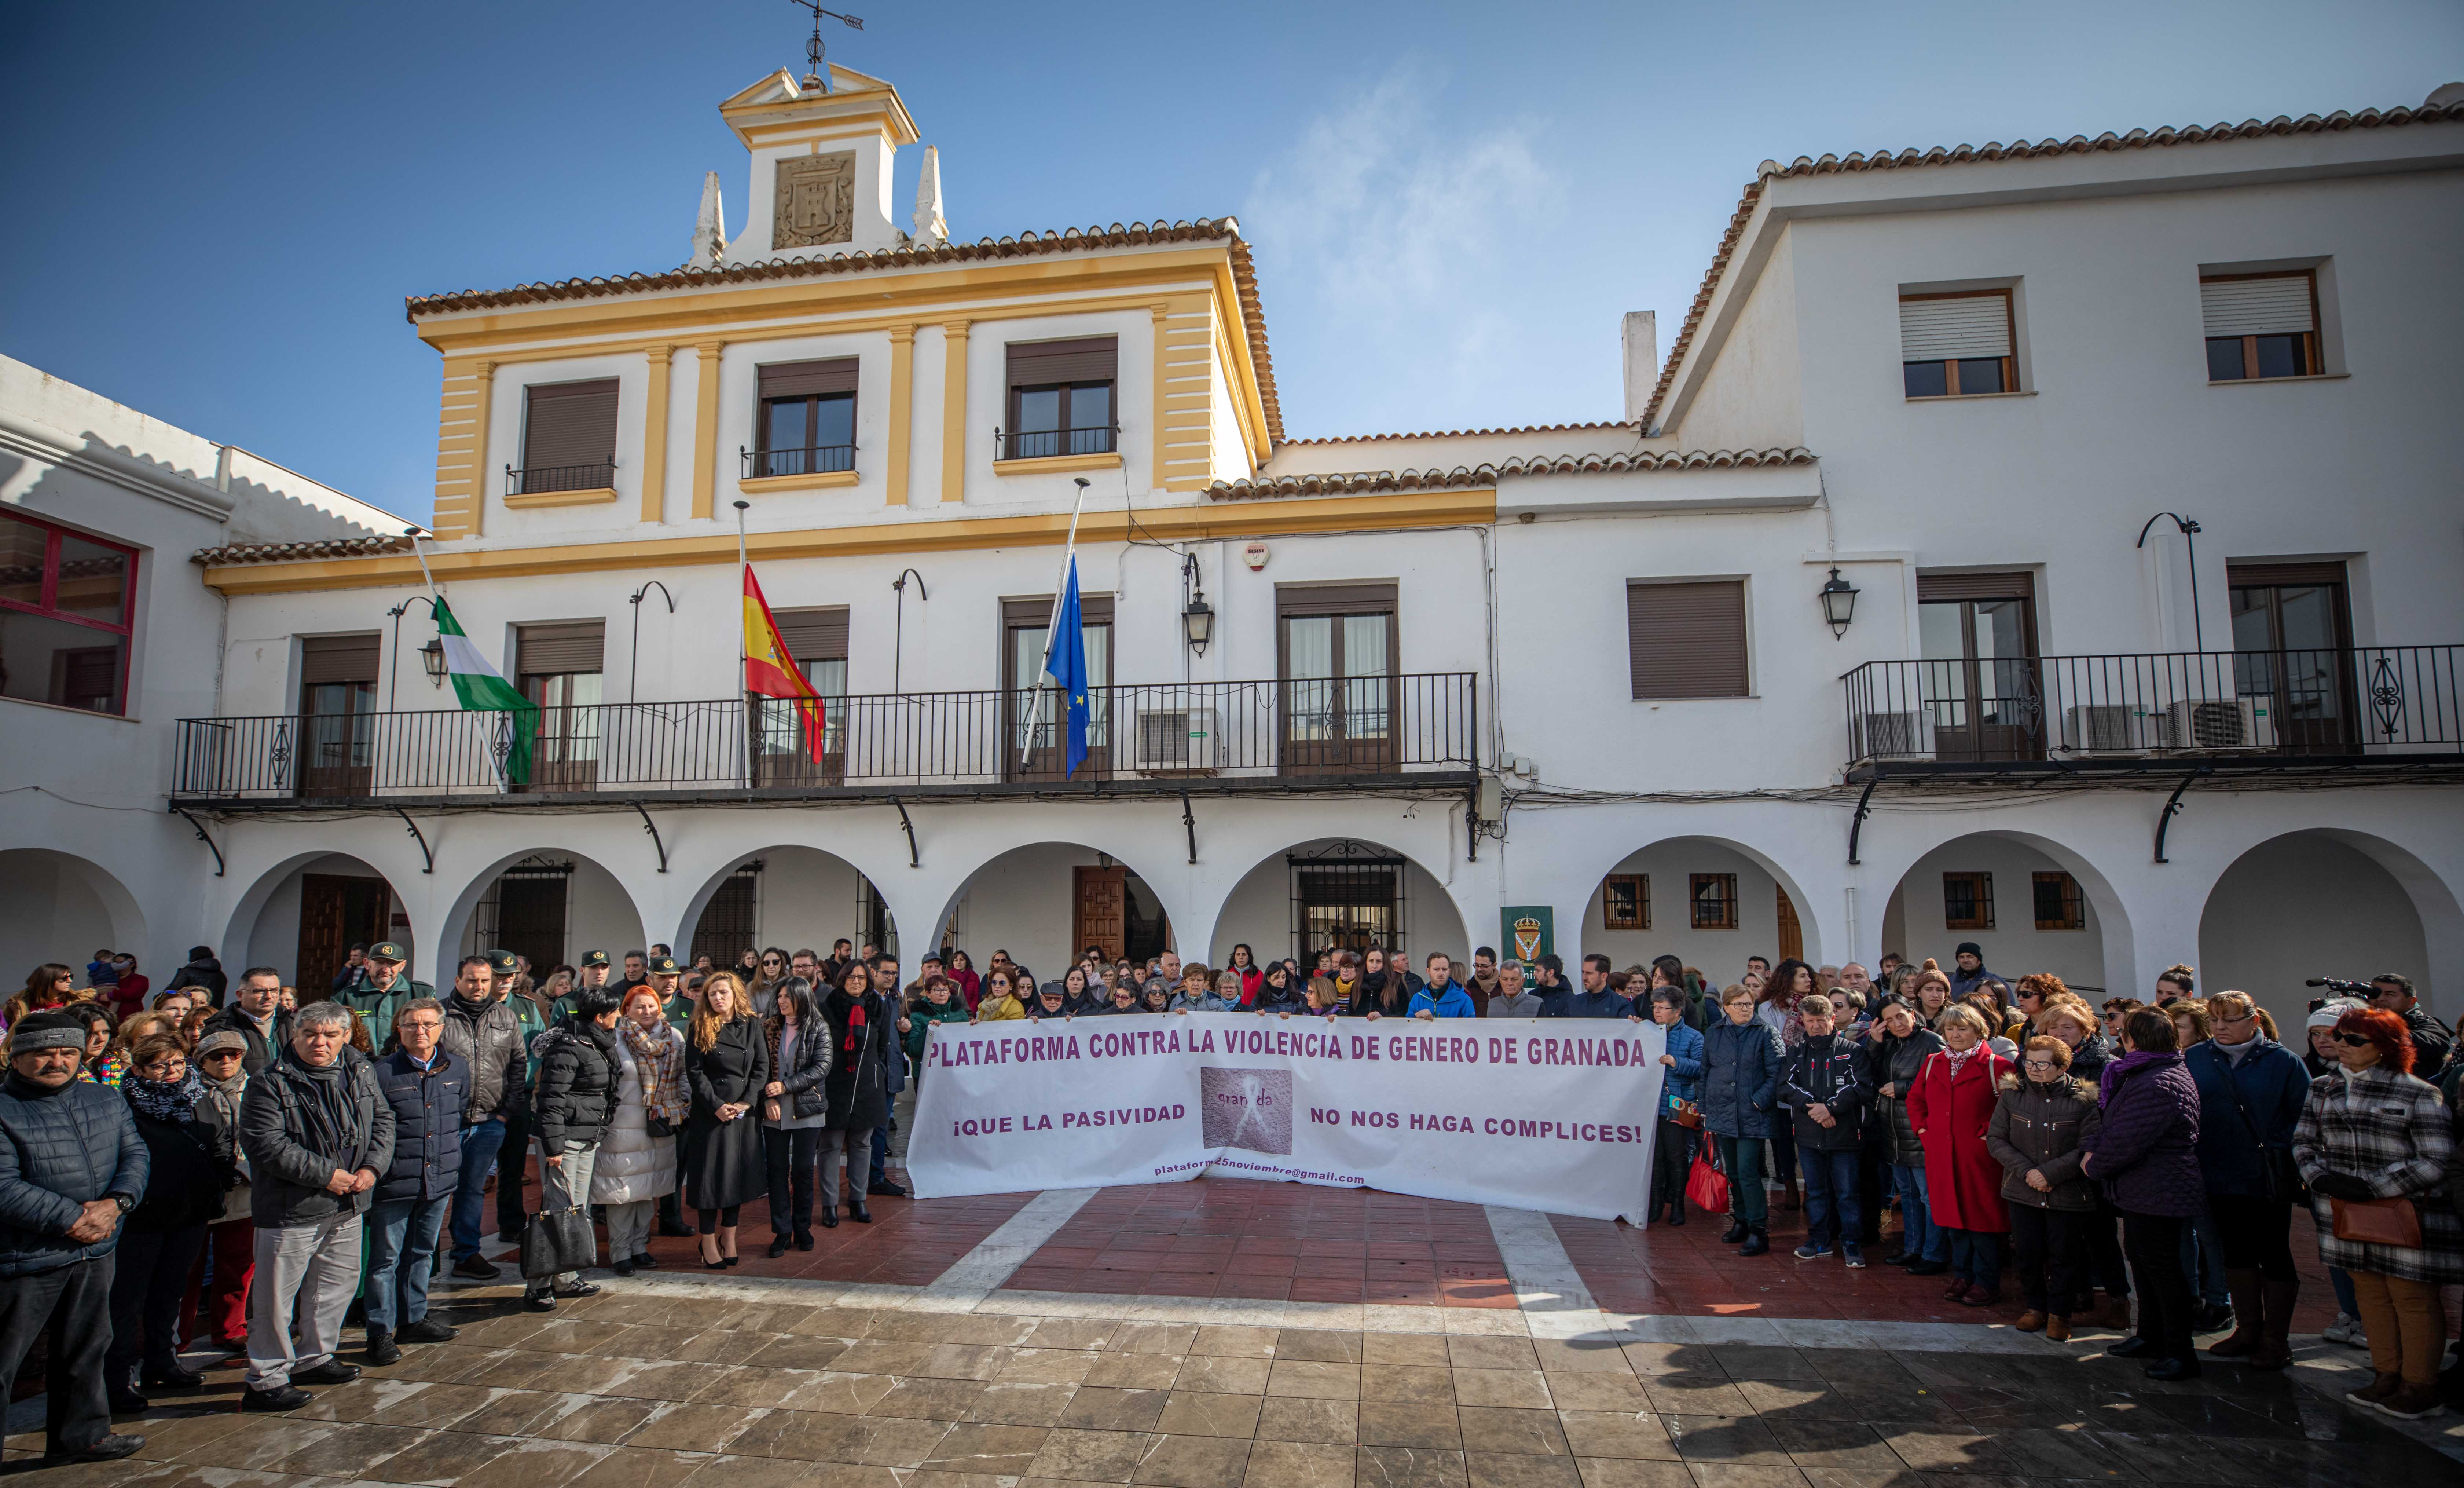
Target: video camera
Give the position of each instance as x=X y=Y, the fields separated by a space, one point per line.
x=2338 y=987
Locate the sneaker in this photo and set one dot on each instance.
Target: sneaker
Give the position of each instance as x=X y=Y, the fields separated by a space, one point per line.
x=2379 y=1388
x=1756 y=1243
x=883 y=1188
x=333 y=1371
x=114 y=1447
x=1811 y=1249
x=281 y=1397
x=428 y=1331
x=382 y=1350
x=2212 y=1318
x=538 y=1302
x=1853 y=1256
x=476 y=1268
x=2340 y=1331
x=2411 y=1402
x=577 y=1288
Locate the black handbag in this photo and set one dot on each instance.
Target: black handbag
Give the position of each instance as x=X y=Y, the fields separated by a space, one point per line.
x=2280 y=1176
x=558 y=1242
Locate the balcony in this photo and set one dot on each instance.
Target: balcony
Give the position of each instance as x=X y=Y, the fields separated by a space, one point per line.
x=1414 y=733
x=1044 y=444
x=2382 y=709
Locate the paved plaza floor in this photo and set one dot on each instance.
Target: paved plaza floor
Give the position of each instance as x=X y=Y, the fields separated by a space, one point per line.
x=1407 y=1343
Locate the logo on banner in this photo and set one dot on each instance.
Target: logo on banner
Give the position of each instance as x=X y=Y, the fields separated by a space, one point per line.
x=1249 y=1109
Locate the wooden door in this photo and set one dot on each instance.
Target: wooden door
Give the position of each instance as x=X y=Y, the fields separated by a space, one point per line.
x=1792 y=934
x=335 y=912
x=1099 y=919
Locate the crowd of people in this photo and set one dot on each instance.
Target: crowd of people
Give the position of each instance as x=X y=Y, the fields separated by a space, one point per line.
x=237 y=1166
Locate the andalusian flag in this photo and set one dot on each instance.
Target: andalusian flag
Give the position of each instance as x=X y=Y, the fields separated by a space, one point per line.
x=769 y=672
x=481 y=689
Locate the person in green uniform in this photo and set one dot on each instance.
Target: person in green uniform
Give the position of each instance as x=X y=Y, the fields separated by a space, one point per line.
x=664 y=977
x=387 y=987
x=592 y=975
x=513 y=1215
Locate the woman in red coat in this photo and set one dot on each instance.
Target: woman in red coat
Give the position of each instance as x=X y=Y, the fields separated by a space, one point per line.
x=1950 y=1104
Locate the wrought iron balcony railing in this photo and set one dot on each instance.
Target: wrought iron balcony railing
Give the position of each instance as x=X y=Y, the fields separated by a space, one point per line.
x=1032 y=444
x=2361 y=701
x=1360 y=729
x=814 y=460
x=537 y=478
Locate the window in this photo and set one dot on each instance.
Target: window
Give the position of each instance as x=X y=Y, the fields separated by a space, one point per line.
x=338 y=692
x=1625 y=902
x=727 y=924
x=1957 y=345
x=2058 y=905
x=817 y=642
x=2260 y=325
x=2292 y=627
x=525 y=911
x=1967 y=901
x=1025 y=622
x=808 y=423
x=1335 y=657
x=1061 y=398
x=1686 y=639
x=1713 y=898
x=68 y=608
x=1978 y=634
x=1346 y=896
x=557 y=667
x=568 y=439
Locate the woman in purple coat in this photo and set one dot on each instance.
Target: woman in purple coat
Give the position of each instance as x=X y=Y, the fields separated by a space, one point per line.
x=2145 y=1155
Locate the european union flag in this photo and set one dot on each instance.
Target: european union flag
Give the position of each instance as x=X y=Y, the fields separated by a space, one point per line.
x=1064 y=661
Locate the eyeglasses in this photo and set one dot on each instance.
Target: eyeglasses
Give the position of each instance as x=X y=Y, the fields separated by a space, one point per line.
x=2042 y=1064
x=2355 y=1040
x=425 y=1024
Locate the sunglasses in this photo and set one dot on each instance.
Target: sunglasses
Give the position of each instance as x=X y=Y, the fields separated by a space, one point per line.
x=2355 y=1040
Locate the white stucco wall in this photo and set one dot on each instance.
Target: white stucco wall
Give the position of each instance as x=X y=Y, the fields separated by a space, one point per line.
x=2303 y=906
x=2014 y=946
x=1720 y=955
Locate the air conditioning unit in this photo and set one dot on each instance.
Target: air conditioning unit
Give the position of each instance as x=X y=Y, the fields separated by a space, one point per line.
x=2109 y=728
x=1176 y=740
x=1897 y=736
x=2204 y=726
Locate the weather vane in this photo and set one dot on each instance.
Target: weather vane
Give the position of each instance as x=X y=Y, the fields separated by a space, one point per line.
x=820 y=76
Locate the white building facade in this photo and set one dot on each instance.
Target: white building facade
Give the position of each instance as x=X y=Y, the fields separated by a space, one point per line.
x=1577 y=675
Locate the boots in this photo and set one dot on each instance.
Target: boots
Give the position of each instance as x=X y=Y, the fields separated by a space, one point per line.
x=1736 y=1232
x=2057 y=1329
x=1757 y=1243
x=2274 y=1348
x=2248 y=1321
x=2116 y=1316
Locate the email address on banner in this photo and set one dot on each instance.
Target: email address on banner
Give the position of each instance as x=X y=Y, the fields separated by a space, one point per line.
x=1279 y=1170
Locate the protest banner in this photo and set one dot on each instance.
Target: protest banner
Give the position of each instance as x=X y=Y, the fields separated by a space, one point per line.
x=1551 y=1115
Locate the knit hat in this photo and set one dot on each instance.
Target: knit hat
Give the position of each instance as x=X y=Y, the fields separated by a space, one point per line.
x=1969 y=949
x=48 y=1030
x=2328 y=1012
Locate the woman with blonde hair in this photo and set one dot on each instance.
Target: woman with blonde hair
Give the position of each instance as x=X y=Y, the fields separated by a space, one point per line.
x=1951 y=1105
x=727 y=1061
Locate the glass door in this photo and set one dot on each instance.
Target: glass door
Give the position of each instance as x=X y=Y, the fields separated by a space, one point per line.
x=1980 y=682
x=1033 y=743
x=567 y=754
x=1338 y=687
x=2292 y=656
x=337 y=746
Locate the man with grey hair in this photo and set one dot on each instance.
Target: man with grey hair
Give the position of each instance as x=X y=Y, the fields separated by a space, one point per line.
x=317 y=1129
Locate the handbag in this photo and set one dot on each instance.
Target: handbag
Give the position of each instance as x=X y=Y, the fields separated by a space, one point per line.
x=1707 y=1187
x=2377 y=1222
x=2280 y=1176
x=1685 y=1113
x=558 y=1241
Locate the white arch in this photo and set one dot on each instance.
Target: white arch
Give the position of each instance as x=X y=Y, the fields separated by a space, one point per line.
x=41 y=944
x=1419 y=943
x=2431 y=899
x=1811 y=913
x=437 y=947
x=690 y=916
x=2112 y=914
x=239 y=924
x=1168 y=892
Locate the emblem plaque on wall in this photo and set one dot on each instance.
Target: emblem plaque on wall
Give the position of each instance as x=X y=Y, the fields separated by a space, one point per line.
x=815 y=202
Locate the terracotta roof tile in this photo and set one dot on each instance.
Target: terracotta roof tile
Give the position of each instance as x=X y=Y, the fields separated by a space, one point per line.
x=2337 y=123
x=1461 y=433
x=1373 y=482
x=1226 y=230
x=298 y=552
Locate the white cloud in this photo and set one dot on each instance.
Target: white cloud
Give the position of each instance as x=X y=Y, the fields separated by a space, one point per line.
x=1391 y=239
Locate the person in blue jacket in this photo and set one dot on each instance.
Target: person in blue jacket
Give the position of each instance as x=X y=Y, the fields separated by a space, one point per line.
x=1440 y=997
x=2251 y=1094
x=1681 y=1079
x=1742 y=1056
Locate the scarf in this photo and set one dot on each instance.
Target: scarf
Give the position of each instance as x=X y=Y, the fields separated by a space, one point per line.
x=658 y=1063
x=1959 y=1057
x=855 y=1026
x=2129 y=1064
x=159 y=1100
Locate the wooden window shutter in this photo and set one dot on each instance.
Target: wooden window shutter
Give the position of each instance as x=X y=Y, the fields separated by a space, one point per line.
x=553 y=650
x=338 y=658
x=2274 y=304
x=1036 y=611
x=1089 y=359
x=1686 y=639
x=1951 y=328
x=570 y=424
x=819 y=635
x=1935 y=588
x=808 y=379
x=1336 y=599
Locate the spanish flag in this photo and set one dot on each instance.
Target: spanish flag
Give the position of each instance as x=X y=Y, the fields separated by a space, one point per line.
x=769 y=672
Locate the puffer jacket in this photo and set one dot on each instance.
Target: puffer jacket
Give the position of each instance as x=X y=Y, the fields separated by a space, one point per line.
x=1897 y=1062
x=300 y=1126
x=1830 y=1072
x=632 y=1164
x=2146 y=1152
x=489 y=1043
x=427 y=1119
x=2244 y=1110
x=577 y=1085
x=1741 y=1065
x=261 y=1050
x=188 y=1164
x=921 y=1015
x=59 y=1151
x=802 y=1082
x=221 y=1106
x=1684 y=1076
x=2046 y=1129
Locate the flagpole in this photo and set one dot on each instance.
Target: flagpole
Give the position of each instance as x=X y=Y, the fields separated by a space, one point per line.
x=413 y=535
x=1051 y=629
x=742 y=692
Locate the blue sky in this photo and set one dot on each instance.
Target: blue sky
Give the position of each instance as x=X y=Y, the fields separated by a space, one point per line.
x=217 y=210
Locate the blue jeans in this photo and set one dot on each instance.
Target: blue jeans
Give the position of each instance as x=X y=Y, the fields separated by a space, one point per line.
x=402 y=1236
x=2342 y=1280
x=1977 y=1255
x=2203 y=1260
x=1742 y=1158
x=1833 y=1211
x=1924 y=1238
x=480 y=1144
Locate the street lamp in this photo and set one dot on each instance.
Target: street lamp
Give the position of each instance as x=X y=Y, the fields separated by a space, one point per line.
x=433 y=657
x=1838 y=603
x=1196 y=617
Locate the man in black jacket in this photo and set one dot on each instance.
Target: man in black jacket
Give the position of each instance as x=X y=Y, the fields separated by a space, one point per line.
x=1827 y=1089
x=203 y=972
x=2431 y=1043
x=316 y=1131
x=256 y=1015
x=428 y=1090
x=72 y=1166
x=482 y=1033
x=576 y=1100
